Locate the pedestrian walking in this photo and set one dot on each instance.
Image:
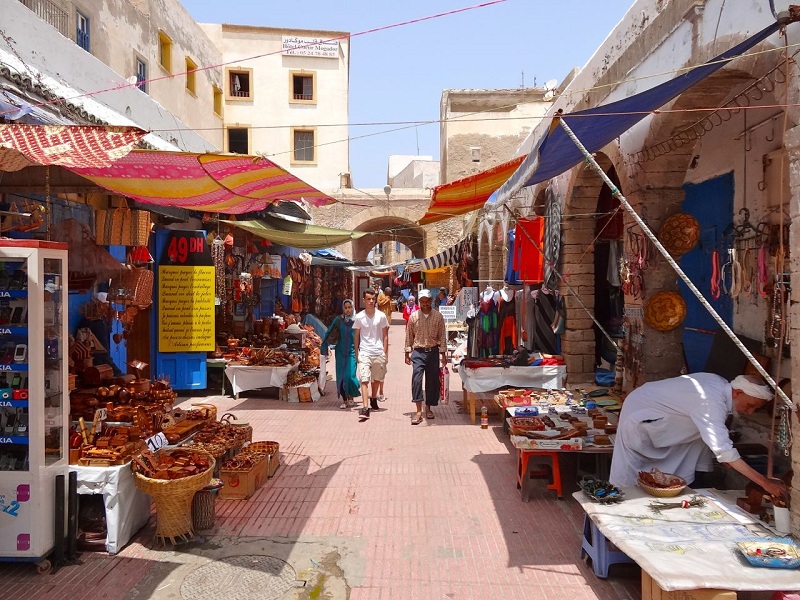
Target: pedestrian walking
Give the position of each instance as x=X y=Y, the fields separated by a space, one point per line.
x=409 y=308
x=426 y=344
x=441 y=298
x=372 y=349
x=341 y=335
x=385 y=304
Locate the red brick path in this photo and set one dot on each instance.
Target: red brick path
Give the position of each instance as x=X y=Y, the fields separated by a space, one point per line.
x=435 y=507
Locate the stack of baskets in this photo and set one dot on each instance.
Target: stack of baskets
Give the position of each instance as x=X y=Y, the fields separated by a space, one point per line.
x=173 y=500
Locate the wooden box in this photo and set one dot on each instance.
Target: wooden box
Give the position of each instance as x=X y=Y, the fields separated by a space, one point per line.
x=240 y=485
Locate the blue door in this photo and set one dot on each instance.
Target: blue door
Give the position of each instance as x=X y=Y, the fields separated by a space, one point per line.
x=711 y=203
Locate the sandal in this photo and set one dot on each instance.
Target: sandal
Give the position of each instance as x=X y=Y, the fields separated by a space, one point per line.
x=417 y=419
x=343 y=405
x=429 y=415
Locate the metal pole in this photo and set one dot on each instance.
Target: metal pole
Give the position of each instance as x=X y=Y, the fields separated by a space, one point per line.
x=615 y=191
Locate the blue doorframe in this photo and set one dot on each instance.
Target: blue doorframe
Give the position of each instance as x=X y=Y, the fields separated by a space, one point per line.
x=711 y=203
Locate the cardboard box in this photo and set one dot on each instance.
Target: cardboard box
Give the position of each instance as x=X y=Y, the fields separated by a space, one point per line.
x=525 y=443
x=240 y=485
x=308 y=392
x=273 y=462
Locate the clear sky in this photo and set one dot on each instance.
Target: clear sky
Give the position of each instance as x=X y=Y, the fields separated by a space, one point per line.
x=399 y=74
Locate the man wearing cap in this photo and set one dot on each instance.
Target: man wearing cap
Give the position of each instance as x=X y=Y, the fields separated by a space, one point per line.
x=677 y=425
x=426 y=344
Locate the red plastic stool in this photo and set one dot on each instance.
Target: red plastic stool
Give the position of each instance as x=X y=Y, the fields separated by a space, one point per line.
x=526 y=471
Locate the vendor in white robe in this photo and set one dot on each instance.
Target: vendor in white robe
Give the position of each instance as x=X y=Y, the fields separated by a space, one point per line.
x=678 y=426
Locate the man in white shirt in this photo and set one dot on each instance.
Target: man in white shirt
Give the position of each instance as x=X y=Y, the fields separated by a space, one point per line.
x=372 y=349
x=678 y=426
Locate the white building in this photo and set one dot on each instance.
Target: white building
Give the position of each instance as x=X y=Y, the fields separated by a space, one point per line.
x=286 y=96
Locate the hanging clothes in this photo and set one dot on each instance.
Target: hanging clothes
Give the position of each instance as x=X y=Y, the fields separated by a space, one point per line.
x=507 y=319
x=528 y=261
x=488 y=335
x=512 y=273
x=548 y=306
x=519 y=304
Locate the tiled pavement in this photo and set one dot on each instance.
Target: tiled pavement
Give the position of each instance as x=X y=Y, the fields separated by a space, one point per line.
x=432 y=510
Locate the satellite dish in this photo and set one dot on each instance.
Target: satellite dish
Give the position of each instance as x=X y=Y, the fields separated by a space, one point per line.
x=548 y=95
x=550 y=84
x=132 y=80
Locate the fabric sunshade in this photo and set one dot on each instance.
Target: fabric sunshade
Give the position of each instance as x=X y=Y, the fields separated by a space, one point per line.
x=68 y=146
x=445 y=258
x=223 y=183
x=467 y=194
x=297 y=235
x=554 y=152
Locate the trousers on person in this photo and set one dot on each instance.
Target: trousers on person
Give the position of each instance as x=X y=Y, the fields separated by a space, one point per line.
x=427 y=364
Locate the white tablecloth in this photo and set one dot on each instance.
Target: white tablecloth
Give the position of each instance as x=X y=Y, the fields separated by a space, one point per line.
x=245 y=378
x=127 y=507
x=687 y=549
x=487 y=379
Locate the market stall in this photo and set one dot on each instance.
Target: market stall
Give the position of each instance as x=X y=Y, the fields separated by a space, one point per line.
x=691 y=549
x=485 y=379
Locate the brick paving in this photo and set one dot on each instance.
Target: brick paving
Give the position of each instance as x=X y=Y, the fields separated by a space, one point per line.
x=434 y=508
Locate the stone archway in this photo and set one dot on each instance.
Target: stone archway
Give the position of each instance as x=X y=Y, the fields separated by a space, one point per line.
x=577 y=265
x=399 y=225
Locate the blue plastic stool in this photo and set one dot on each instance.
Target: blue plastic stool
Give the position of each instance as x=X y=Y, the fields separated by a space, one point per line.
x=596 y=546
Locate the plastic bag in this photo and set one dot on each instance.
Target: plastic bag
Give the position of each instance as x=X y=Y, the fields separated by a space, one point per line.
x=444 y=385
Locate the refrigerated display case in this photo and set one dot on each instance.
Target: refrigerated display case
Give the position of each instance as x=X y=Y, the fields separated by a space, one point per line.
x=34 y=405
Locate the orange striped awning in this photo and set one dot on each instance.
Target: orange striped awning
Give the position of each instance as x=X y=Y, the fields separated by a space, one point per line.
x=470 y=193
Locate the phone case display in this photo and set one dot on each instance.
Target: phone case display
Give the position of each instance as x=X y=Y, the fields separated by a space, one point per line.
x=33 y=397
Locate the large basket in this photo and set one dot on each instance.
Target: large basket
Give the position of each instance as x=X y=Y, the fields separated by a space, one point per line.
x=132 y=287
x=669 y=492
x=173 y=500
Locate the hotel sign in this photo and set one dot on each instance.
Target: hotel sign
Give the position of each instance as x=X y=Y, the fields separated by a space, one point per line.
x=293 y=45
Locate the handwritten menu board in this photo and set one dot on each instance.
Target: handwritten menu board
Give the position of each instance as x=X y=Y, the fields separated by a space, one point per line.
x=186 y=309
x=186 y=294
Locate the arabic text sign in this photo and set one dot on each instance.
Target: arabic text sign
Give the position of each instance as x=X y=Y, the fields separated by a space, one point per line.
x=293 y=45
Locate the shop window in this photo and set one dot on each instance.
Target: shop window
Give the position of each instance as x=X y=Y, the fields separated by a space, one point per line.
x=191 y=79
x=217 y=101
x=303 y=87
x=165 y=51
x=141 y=74
x=303 y=146
x=239 y=140
x=82 y=31
x=240 y=84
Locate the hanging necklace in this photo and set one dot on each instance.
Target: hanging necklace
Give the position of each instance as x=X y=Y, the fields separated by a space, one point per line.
x=784 y=437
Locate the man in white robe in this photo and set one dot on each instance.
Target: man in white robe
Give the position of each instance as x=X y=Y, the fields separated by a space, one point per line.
x=678 y=426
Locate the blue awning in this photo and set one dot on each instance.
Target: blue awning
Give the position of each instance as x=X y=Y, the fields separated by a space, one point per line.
x=554 y=153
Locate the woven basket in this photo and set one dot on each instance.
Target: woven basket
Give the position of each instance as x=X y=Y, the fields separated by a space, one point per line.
x=173 y=500
x=669 y=492
x=265 y=447
x=132 y=287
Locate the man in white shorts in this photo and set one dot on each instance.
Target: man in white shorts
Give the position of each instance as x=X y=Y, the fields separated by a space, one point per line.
x=372 y=349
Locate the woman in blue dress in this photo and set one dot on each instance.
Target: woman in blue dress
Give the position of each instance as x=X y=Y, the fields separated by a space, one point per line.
x=347 y=384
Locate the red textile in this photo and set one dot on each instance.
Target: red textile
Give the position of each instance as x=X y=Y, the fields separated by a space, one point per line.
x=527 y=259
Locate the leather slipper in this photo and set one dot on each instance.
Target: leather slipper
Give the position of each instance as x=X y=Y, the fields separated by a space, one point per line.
x=417 y=419
x=430 y=415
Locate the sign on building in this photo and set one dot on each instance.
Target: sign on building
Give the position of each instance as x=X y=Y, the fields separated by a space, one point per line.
x=293 y=45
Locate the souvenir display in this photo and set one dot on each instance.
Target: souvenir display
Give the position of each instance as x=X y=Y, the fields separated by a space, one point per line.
x=679 y=234
x=664 y=311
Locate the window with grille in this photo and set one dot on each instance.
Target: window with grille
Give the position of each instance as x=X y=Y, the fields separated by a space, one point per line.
x=238 y=140
x=303 y=87
x=303 y=145
x=239 y=84
x=82 y=31
x=141 y=74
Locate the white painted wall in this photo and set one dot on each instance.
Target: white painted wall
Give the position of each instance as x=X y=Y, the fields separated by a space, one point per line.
x=68 y=69
x=418 y=174
x=271 y=116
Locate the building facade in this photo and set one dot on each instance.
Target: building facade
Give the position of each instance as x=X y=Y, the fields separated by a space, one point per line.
x=286 y=97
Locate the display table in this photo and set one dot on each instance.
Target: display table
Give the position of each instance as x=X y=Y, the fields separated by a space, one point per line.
x=127 y=508
x=687 y=549
x=490 y=379
x=245 y=377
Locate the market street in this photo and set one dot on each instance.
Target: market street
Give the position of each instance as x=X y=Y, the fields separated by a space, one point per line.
x=425 y=512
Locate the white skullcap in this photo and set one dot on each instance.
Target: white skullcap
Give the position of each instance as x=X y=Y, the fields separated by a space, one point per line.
x=425 y=294
x=742 y=382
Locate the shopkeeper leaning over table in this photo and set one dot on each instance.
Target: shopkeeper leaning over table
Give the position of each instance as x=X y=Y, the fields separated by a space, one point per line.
x=678 y=426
